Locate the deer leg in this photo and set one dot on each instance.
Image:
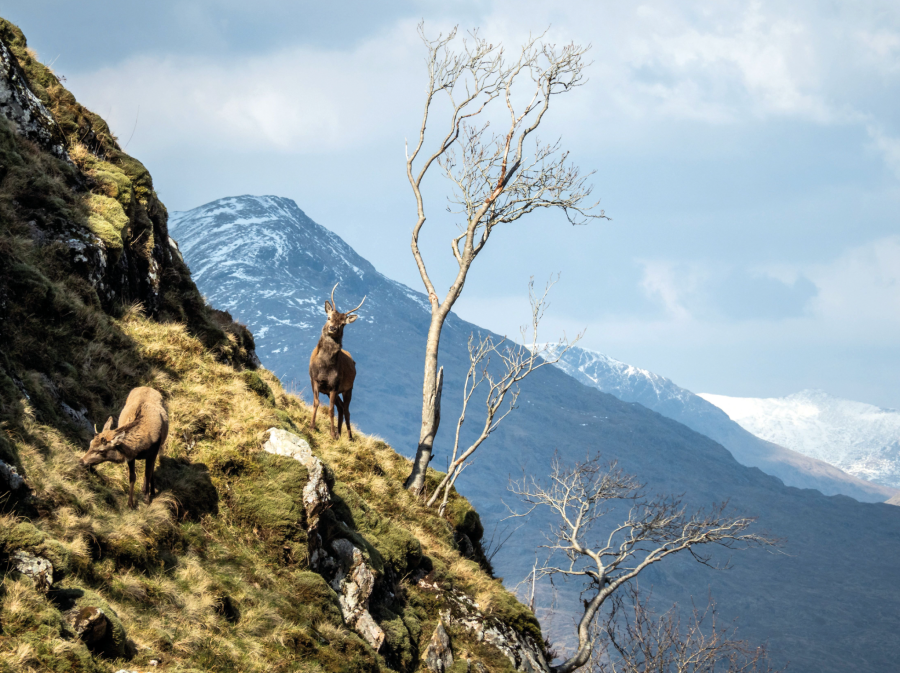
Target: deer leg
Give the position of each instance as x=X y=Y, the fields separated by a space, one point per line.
x=149 y=466
x=347 y=396
x=315 y=401
x=331 y=396
x=340 y=409
x=131 y=479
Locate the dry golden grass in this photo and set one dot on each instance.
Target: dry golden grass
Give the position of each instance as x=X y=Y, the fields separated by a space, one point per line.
x=168 y=578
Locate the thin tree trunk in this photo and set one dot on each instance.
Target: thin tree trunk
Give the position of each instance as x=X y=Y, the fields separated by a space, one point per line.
x=431 y=405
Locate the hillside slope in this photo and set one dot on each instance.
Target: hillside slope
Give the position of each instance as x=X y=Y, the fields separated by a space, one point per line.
x=632 y=384
x=857 y=437
x=818 y=606
x=266 y=549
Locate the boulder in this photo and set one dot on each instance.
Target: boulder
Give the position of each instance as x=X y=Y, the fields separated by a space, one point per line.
x=36 y=567
x=438 y=657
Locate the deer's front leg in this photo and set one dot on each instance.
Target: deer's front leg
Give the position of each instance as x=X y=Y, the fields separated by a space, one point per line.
x=315 y=401
x=331 y=397
x=131 y=479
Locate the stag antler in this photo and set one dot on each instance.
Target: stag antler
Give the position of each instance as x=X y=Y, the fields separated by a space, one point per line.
x=333 y=305
x=353 y=310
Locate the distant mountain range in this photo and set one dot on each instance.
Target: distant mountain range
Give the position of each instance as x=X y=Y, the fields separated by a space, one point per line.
x=800 y=467
x=859 y=438
x=828 y=604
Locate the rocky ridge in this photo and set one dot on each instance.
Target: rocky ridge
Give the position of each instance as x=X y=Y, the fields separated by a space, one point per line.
x=802 y=469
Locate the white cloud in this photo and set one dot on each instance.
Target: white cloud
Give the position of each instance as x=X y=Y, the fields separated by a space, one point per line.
x=298 y=99
x=859 y=292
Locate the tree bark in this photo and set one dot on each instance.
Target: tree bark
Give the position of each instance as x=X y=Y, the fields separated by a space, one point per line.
x=431 y=405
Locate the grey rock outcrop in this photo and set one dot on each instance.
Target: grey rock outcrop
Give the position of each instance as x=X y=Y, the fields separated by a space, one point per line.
x=523 y=652
x=354 y=583
x=10 y=479
x=316 y=495
x=36 y=567
x=439 y=657
x=344 y=563
x=29 y=116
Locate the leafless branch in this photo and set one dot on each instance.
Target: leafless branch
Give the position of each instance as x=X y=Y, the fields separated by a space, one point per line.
x=634 y=639
x=654 y=528
x=515 y=364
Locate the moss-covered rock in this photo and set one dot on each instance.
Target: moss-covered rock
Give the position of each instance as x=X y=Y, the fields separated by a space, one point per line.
x=257 y=385
x=271 y=498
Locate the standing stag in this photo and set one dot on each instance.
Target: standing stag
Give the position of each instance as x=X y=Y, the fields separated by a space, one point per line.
x=331 y=369
x=143 y=428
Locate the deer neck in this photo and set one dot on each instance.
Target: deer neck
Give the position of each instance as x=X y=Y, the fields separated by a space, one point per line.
x=329 y=346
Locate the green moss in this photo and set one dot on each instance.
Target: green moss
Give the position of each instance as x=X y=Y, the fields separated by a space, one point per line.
x=117 y=642
x=257 y=385
x=396 y=546
x=107 y=219
x=271 y=498
x=465 y=519
x=399 y=648
x=22 y=535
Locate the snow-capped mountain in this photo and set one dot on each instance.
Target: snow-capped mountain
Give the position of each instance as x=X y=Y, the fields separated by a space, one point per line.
x=859 y=438
x=825 y=610
x=794 y=467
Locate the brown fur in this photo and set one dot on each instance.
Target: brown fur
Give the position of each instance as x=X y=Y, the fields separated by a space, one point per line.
x=143 y=428
x=332 y=370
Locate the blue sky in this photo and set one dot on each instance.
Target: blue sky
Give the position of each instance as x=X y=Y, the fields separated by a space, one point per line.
x=748 y=153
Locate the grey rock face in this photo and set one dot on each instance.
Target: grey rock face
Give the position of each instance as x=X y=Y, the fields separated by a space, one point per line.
x=18 y=104
x=36 y=567
x=354 y=584
x=10 y=480
x=521 y=649
x=352 y=579
x=438 y=657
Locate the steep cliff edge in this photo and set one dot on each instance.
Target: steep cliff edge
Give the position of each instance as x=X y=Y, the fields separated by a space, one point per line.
x=268 y=548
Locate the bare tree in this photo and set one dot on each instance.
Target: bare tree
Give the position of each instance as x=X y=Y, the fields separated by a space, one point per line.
x=495 y=179
x=606 y=558
x=635 y=640
x=516 y=363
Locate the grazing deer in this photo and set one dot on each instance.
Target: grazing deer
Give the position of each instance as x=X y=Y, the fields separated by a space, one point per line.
x=143 y=428
x=331 y=369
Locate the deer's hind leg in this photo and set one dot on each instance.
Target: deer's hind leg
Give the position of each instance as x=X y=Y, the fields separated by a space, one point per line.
x=331 y=397
x=149 y=477
x=131 y=479
x=340 y=410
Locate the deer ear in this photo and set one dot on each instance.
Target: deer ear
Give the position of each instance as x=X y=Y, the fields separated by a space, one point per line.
x=351 y=318
x=328 y=308
x=108 y=425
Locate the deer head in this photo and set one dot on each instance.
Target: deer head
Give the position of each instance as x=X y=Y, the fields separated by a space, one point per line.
x=334 y=326
x=106 y=445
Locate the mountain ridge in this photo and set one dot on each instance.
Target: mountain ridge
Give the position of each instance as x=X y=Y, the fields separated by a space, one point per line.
x=634 y=384
x=860 y=438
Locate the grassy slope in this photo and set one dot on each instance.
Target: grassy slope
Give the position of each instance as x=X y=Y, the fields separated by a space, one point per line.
x=214 y=574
